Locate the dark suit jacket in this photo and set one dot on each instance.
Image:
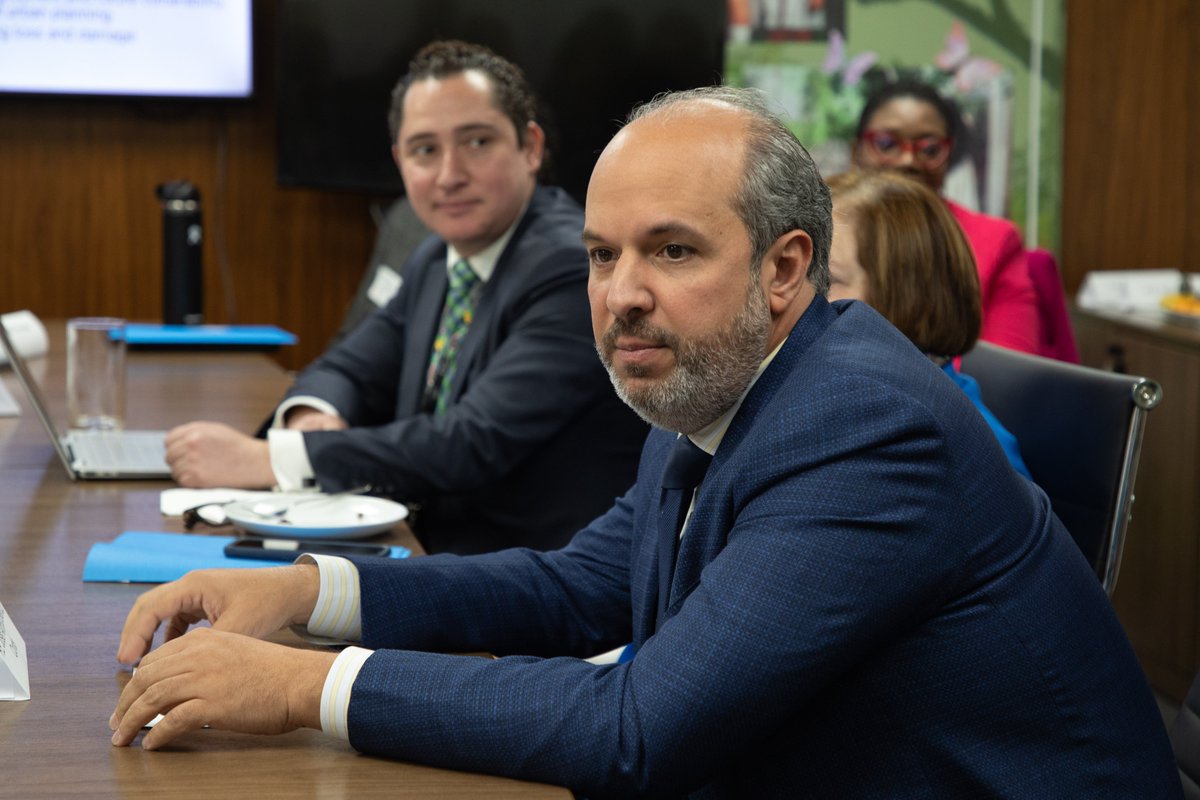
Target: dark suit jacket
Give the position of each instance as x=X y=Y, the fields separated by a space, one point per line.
x=868 y=603
x=535 y=443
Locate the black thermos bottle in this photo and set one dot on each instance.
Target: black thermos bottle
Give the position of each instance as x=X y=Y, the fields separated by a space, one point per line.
x=183 y=234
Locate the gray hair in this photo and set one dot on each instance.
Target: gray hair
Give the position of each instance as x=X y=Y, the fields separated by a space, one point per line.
x=781 y=188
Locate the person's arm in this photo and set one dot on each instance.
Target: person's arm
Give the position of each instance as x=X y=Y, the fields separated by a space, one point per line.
x=355 y=380
x=533 y=385
x=1010 y=304
x=289 y=458
x=224 y=678
x=810 y=579
x=574 y=601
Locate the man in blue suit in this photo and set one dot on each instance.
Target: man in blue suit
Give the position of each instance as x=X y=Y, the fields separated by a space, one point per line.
x=473 y=394
x=860 y=599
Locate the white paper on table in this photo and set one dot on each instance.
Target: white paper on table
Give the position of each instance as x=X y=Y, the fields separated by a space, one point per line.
x=1130 y=290
x=8 y=403
x=14 y=666
x=173 y=502
x=27 y=334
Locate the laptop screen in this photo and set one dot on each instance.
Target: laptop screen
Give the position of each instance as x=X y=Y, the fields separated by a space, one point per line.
x=36 y=400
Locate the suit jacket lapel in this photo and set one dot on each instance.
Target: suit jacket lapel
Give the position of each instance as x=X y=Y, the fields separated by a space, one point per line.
x=701 y=543
x=705 y=535
x=668 y=544
x=425 y=315
x=644 y=555
x=490 y=302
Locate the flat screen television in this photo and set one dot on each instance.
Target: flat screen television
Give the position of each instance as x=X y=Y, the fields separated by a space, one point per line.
x=138 y=48
x=589 y=61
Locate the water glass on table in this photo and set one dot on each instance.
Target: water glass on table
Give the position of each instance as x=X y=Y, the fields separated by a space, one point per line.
x=96 y=372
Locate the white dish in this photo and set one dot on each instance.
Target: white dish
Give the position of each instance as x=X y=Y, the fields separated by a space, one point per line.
x=313 y=517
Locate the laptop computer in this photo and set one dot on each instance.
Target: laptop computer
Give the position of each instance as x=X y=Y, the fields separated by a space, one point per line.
x=92 y=454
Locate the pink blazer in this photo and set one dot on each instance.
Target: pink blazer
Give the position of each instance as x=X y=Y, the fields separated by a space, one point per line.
x=1058 y=339
x=1010 y=304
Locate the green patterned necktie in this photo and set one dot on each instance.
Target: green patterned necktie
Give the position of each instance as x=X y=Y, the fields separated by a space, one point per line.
x=456 y=318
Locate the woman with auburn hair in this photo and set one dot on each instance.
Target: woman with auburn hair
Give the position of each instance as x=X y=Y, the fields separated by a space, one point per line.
x=898 y=248
x=908 y=126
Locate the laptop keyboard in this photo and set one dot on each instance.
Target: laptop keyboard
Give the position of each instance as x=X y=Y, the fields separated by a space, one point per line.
x=126 y=451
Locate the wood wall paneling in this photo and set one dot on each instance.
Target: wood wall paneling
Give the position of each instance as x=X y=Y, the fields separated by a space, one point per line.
x=1189 y=155
x=1130 y=177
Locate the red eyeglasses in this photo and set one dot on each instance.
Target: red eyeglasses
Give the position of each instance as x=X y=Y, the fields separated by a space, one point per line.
x=928 y=151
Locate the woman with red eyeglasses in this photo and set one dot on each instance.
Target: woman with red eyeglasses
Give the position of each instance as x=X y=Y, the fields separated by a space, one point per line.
x=909 y=126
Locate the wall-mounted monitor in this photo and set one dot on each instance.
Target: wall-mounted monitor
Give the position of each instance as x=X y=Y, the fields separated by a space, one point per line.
x=589 y=61
x=130 y=48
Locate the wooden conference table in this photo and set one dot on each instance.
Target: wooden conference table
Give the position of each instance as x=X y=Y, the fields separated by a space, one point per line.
x=57 y=743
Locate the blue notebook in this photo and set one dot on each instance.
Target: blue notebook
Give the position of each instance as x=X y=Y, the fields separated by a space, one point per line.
x=145 y=557
x=144 y=333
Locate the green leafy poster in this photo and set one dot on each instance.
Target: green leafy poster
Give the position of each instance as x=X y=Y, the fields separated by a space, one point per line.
x=1000 y=60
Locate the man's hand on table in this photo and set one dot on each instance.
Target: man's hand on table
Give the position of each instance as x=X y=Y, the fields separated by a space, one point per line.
x=223 y=680
x=221 y=676
x=253 y=602
x=206 y=454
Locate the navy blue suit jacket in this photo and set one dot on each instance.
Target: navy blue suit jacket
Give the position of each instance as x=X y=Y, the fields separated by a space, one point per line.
x=868 y=602
x=534 y=443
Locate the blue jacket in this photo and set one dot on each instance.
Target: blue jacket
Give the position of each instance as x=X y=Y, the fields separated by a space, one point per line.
x=868 y=602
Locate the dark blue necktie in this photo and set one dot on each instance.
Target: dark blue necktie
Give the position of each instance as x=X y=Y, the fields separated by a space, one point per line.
x=685 y=469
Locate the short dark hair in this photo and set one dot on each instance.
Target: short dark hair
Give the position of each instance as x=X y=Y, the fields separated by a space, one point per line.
x=921 y=271
x=781 y=189
x=946 y=108
x=511 y=92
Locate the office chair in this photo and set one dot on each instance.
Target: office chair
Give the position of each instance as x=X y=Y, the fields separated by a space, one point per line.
x=1080 y=433
x=1185 y=741
x=400 y=231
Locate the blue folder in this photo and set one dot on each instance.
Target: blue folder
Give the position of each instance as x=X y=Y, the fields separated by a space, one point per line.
x=149 y=334
x=145 y=557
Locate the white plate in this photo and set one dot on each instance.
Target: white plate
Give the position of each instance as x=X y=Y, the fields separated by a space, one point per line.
x=343 y=517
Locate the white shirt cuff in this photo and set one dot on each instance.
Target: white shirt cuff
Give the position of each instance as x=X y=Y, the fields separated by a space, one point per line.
x=289 y=459
x=302 y=400
x=611 y=657
x=338 y=613
x=335 y=696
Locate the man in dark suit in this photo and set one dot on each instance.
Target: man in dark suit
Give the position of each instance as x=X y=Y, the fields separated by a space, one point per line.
x=474 y=394
x=860 y=599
